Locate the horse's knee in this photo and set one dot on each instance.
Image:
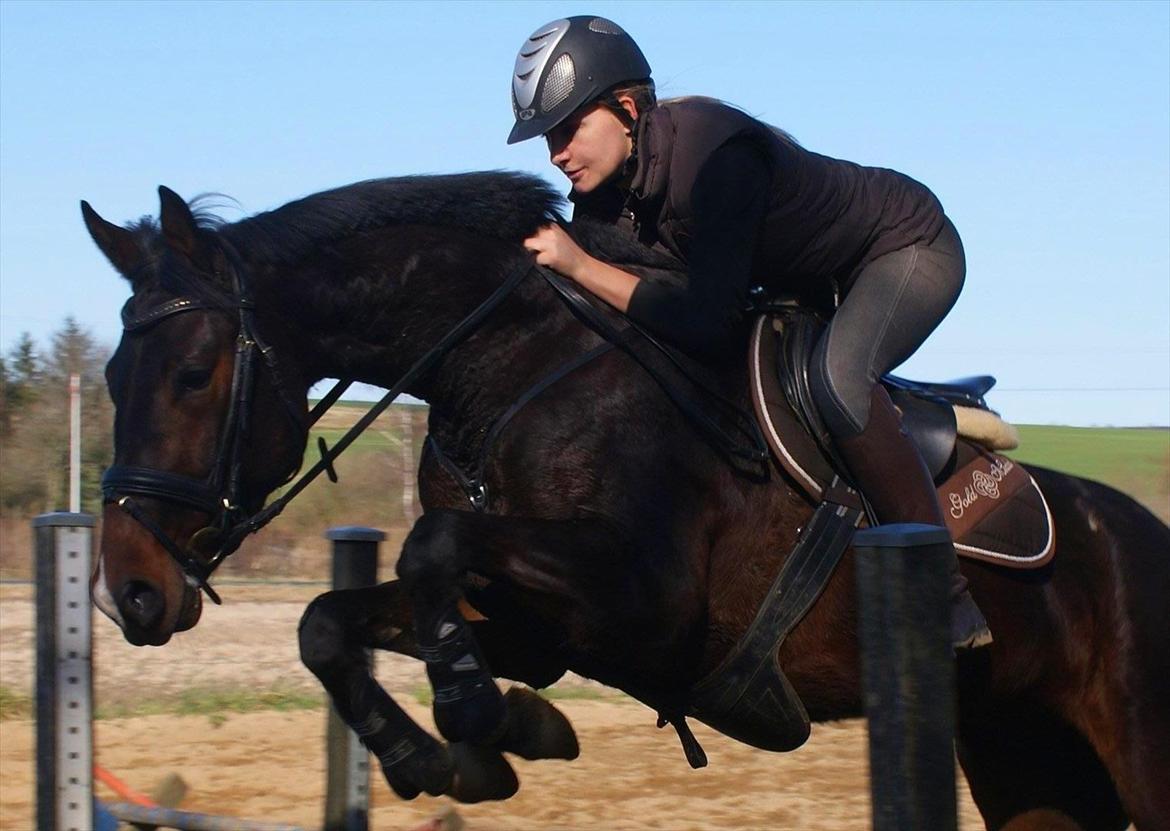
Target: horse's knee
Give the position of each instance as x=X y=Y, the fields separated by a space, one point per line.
x=321 y=636
x=430 y=554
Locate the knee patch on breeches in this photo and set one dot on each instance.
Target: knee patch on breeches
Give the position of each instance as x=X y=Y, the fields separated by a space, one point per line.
x=841 y=392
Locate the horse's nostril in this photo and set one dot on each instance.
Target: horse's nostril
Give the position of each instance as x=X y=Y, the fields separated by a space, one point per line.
x=141 y=604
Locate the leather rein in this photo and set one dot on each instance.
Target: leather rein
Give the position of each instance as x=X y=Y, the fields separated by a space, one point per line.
x=738 y=437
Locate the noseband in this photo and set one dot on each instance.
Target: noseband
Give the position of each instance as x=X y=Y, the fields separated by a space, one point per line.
x=220 y=494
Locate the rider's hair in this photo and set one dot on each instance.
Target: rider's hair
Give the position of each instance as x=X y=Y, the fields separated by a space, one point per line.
x=641 y=91
x=783 y=135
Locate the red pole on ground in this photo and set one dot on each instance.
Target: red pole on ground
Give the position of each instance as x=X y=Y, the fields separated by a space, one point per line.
x=121 y=788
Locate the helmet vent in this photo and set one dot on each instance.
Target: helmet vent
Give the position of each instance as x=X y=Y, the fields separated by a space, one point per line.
x=559 y=82
x=605 y=27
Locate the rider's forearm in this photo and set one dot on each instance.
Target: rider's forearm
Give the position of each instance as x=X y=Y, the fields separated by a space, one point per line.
x=612 y=285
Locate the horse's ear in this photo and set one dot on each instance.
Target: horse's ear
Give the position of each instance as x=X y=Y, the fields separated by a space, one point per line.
x=118 y=244
x=178 y=225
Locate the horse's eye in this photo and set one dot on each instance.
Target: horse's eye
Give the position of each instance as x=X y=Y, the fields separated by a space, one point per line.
x=194 y=378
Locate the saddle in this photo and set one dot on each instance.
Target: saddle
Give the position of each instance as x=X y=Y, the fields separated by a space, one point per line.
x=994 y=510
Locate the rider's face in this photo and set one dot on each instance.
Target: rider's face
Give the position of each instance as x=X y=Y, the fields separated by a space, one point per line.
x=590 y=146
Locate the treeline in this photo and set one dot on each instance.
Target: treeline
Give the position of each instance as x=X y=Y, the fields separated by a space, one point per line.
x=34 y=422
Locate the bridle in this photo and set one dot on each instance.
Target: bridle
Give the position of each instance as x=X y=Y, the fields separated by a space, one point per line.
x=220 y=493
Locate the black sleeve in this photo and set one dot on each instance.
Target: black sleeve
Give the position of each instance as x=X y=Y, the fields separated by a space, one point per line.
x=730 y=198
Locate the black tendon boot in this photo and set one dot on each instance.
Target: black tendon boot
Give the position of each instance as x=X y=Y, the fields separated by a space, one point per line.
x=887 y=468
x=468 y=705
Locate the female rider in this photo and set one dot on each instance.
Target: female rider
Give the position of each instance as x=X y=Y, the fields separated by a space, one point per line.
x=742 y=204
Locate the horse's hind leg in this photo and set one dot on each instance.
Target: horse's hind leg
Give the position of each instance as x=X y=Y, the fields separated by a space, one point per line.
x=1114 y=682
x=1030 y=772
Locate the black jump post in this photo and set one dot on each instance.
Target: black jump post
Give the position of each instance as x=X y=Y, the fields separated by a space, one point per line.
x=903 y=575
x=64 y=684
x=355 y=566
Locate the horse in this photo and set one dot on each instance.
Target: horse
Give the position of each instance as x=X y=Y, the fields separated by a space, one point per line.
x=611 y=537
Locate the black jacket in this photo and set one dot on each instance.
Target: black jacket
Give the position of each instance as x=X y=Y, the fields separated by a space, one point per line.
x=742 y=204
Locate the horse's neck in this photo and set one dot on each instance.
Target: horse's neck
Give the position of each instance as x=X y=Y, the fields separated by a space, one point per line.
x=527 y=339
x=345 y=324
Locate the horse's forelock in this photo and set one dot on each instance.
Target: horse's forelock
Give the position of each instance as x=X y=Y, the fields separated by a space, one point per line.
x=161 y=277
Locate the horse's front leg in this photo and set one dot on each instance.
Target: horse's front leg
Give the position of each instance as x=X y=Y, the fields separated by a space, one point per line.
x=468 y=706
x=565 y=572
x=335 y=632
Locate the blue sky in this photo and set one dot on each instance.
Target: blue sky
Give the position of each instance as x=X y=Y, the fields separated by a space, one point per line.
x=1043 y=127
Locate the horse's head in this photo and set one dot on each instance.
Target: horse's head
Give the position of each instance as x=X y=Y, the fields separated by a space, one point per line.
x=208 y=419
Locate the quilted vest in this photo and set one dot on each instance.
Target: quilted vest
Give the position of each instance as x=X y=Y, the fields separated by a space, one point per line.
x=827 y=218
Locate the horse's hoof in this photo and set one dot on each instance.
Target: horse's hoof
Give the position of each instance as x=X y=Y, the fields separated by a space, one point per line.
x=481 y=774
x=536 y=729
x=417 y=764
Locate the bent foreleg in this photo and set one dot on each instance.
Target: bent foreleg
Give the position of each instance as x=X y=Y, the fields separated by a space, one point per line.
x=334 y=633
x=468 y=706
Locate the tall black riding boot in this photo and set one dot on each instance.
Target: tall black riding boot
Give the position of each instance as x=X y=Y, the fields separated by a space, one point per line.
x=888 y=468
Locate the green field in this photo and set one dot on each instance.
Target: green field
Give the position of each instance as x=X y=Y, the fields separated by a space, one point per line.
x=1133 y=460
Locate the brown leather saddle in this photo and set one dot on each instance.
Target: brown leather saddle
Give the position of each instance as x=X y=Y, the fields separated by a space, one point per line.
x=995 y=511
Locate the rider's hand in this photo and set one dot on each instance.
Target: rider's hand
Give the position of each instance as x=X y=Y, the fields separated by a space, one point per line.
x=555 y=248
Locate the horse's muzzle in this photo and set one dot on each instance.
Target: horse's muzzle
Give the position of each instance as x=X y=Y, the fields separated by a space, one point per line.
x=141 y=605
x=142 y=613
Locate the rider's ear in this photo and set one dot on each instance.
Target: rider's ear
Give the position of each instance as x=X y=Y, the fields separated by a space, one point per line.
x=118 y=244
x=180 y=230
x=629 y=105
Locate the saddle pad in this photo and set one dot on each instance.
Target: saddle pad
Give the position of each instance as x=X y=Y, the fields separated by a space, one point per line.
x=994 y=510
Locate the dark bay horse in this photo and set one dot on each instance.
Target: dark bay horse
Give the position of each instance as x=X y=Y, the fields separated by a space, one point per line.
x=618 y=542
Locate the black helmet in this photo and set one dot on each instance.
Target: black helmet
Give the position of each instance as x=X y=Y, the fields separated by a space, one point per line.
x=565 y=64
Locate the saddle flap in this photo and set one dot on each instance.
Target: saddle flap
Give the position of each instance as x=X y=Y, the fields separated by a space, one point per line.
x=932 y=425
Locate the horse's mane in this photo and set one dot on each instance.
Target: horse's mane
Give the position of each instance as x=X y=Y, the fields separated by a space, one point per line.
x=501 y=204
x=506 y=205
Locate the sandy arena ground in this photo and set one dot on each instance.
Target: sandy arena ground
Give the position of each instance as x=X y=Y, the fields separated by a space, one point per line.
x=271 y=765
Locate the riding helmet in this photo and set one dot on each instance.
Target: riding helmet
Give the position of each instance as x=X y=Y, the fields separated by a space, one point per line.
x=565 y=64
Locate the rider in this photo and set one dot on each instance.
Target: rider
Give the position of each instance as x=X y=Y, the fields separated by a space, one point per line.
x=742 y=204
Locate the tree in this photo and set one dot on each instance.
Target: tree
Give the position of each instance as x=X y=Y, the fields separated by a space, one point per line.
x=35 y=473
x=19 y=381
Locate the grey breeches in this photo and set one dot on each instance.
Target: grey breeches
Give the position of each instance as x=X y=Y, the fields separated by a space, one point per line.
x=894 y=304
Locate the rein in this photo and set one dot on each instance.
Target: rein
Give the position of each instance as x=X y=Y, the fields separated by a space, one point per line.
x=219 y=494
x=750 y=445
